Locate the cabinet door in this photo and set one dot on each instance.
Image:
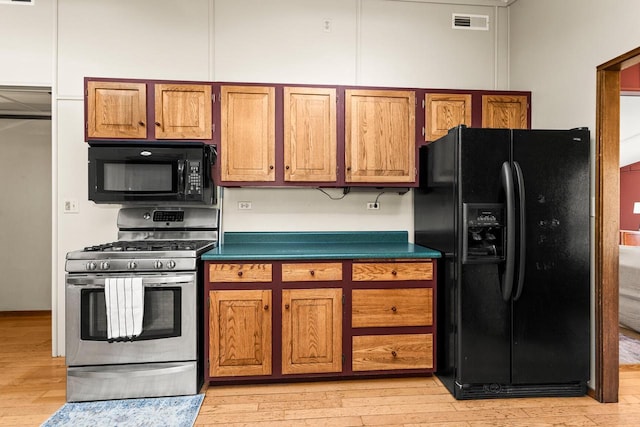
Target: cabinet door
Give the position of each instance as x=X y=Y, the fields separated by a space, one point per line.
x=240 y=333
x=504 y=111
x=309 y=134
x=444 y=111
x=247 y=144
x=380 y=136
x=116 y=110
x=311 y=330
x=183 y=111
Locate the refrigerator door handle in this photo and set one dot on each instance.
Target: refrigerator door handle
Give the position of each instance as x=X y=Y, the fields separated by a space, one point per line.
x=522 y=249
x=506 y=177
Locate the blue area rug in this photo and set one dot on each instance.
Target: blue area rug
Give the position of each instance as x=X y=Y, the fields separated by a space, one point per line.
x=629 y=351
x=178 y=411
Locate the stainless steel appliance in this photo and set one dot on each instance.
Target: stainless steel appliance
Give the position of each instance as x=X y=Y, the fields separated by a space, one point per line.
x=162 y=247
x=152 y=174
x=509 y=210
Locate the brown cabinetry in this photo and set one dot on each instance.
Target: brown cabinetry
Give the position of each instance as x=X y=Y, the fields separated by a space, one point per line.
x=504 y=111
x=247 y=133
x=405 y=314
x=310 y=134
x=380 y=139
x=444 y=111
x=116 y=109
x=240 y=333
x=311 y=330
x=119 y=110
x=286 y=319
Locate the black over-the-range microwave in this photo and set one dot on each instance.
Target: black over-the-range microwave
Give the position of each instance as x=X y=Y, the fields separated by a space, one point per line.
x=149 y=173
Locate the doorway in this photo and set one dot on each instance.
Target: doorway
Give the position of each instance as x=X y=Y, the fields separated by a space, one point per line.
x=607 y=223
x=25 y=170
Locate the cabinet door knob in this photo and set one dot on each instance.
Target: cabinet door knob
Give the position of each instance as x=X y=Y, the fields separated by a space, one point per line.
x=158 y=124
x=141 y=123
x=271 y=167
x=286 y=306
x=349 y=169
x=394 y=354
x=394 y=309
x=287 y=167
x=266 y=307
x=313 y=273
x=240 y=273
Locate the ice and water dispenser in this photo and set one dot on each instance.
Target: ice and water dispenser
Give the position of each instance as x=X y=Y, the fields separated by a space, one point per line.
x=484 y=233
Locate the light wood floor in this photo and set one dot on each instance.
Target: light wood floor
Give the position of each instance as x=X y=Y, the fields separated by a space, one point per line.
x=32 y=388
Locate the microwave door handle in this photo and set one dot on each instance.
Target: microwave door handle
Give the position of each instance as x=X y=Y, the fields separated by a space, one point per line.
x=181 y=178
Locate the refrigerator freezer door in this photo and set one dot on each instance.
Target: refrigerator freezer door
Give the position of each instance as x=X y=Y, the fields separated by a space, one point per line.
x=483 y=317
x=551 y=317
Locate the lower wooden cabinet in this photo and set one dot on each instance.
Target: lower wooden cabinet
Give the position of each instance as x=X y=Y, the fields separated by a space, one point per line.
x=311 y=330
x=240 y=333
x=332 y=319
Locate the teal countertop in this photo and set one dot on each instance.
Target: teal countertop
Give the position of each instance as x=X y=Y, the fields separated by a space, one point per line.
x=317 y=245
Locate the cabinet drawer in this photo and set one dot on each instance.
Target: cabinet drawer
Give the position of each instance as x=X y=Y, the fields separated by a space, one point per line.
x=312 y=272
x=390 y=352
x=240 y=273
x=392 y=271
x=392 y=307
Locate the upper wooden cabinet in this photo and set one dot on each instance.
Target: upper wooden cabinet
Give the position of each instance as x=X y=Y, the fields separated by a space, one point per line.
x=116 y=110
x=380 y=140
x=247 y=133
x=444 y=111
x=182 y=111
x=504 y=111
x=310 y=134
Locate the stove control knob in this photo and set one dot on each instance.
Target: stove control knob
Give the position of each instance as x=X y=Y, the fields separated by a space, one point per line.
x=157 y=264
x=131 y=265
x=171 y=264
x=91 y=265
x=104 y=265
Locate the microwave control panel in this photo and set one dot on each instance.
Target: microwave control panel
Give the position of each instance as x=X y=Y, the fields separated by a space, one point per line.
x=194 y=183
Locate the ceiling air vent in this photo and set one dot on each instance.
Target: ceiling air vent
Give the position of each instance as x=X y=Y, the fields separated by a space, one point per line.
x=461 y=21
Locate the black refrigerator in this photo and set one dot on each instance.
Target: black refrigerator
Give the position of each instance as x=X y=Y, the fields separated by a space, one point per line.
x=509 y=210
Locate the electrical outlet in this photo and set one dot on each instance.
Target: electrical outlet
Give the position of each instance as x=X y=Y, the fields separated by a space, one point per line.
x=244 y=206
x=326 y=25
x=70 y=206
x=373 y=205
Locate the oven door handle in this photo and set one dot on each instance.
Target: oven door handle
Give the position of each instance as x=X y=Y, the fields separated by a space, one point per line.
x=98 y=282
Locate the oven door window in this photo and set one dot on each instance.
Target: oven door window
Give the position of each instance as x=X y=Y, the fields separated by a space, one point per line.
x=128 y=177
x=161 y=319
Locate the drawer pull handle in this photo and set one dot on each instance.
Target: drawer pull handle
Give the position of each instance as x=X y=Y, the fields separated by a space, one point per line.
x=393 y=353
x=239 y=273
x=141 y=123
x=286 y=306
x=394 y=309
x=393 y=272
x=312 y=273
x=266 y=307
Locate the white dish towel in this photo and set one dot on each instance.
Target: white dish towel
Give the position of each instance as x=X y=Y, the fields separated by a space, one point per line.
x=124 y=299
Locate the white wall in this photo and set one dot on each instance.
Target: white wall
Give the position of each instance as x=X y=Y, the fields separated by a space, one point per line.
x=26 y=44
x=25 y=214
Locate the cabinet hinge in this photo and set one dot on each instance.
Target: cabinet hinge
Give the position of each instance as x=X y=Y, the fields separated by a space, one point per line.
x=343 y=359
x=423 y=105
x=213 y=127
x=86 y=125
x=213 y=97
x=423 y=131
x=344 y=301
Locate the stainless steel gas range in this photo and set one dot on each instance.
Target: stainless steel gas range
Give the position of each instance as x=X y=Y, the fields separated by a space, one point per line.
x=134 y=307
